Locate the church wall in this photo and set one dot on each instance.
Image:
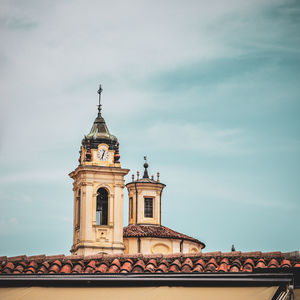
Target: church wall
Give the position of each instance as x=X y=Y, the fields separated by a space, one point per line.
x=149 y=245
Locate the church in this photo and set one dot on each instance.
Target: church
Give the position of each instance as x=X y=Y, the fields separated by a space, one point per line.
x=98 y=203
x=144 y=260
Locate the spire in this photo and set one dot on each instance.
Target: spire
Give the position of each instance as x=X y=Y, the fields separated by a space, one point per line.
x=145 y=166
x=99 y=132
x=99 y=106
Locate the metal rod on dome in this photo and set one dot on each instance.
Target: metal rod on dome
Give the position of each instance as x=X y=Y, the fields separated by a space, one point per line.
x=145 y=166
x=99 y=92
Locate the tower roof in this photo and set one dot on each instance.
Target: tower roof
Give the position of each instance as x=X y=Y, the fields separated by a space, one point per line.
x=145 y=178
x=158 y=231
x=99 y=132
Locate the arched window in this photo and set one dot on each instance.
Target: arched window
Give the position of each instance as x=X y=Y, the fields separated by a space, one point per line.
x=102 y=207
x=78 y=204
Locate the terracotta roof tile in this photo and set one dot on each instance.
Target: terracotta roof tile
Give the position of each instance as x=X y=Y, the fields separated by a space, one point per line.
x=19 y=269
x=187 y=266
x=248 y=265
x=78 y=267
x=211 y=265
x=44 y=267
x=17 y=258
x=37 y=257
x=55 y=257
x=297 y=265
x=67 y=268
x=235 y=266
x=135 y=230
x=32 y=266
x=212 y=254
x=151 y=266
x=163 y=266
x=8 y=268
x=115 y=266
x=199 y=265
x=127 y=266
x=55 y=267
x=175 y=266
x=260 y=264
x=251 y=254
x=139 y=267
x=90 y=268
x=273 y=263
x=285 y=263
x=273 y=254
x=209 y=262
x=223 y=267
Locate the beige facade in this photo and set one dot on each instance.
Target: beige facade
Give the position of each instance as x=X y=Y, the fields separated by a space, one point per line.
x=147 y=293
x=155 y=245
x=90 y=238
x=138 y=191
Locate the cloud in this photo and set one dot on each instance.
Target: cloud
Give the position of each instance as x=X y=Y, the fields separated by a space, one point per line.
x=33 y=176
x=198 y=137
x=222 y=188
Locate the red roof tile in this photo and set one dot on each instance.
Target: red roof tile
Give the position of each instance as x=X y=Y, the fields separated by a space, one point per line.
x=179 y=263
x=187 y=266
x=135 y=230
x=127 y=266
x=67 y=268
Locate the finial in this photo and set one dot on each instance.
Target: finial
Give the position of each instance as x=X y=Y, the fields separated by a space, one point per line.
x=132 y=177
x=232 y=248
x=138 y=175
x=145 y=166
x=99 y=92
x=152 y=177
x=158 y=176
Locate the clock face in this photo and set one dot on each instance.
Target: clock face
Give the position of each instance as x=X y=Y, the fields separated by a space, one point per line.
x=102 y=154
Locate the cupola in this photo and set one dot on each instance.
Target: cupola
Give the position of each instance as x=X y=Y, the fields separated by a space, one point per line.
x=145 y=196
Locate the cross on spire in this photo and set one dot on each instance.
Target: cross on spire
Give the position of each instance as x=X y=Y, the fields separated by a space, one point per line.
x=99 y=92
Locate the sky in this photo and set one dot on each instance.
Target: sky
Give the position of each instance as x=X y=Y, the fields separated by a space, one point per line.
x=208 y=90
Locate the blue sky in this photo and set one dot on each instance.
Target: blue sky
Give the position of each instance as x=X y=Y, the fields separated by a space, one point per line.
x=208 y=91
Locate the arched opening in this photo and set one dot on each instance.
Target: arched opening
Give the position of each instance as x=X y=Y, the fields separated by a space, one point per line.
x=102 y=207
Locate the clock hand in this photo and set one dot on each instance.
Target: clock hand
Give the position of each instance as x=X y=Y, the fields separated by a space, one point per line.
x=103 y=154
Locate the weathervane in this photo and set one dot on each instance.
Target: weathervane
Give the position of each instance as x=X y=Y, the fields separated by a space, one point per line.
x=99 y=92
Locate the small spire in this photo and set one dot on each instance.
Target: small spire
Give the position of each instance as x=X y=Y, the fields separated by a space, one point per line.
x=145 y=166
x=99 y=92
x=158 y=176
x=233 y=248
x=138 y=175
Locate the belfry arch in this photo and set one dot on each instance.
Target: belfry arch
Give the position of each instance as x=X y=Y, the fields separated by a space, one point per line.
x=102 y=207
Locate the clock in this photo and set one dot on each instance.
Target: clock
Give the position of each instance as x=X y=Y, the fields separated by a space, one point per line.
x=102 y=154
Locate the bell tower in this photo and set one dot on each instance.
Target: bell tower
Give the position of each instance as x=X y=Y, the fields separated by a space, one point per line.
x=98 y=193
